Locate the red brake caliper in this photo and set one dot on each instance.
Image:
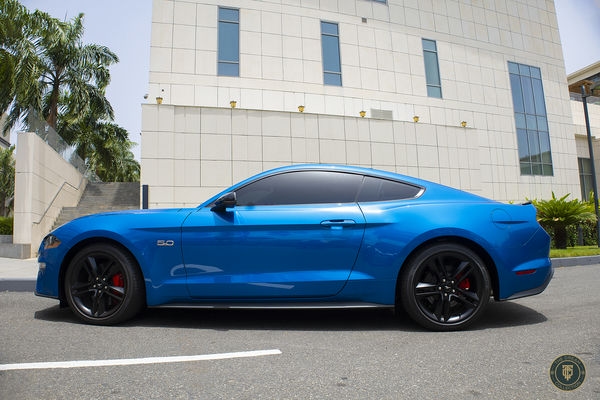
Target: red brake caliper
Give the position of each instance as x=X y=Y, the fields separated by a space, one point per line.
x=465 y=284
x=117 y=280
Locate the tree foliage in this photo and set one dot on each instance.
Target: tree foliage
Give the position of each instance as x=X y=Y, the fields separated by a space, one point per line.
x=559 y=213
x=7 y=180
x=47 y=70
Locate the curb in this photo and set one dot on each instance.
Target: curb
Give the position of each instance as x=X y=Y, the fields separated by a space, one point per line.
x=574 y=261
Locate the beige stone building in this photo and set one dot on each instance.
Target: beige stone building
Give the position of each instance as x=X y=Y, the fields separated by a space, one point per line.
x=472 y=94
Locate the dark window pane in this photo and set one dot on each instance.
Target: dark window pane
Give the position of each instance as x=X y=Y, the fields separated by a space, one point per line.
x=533 y=136
x=330 y=50
x=524 y=70
x=228 y=42
x=329 y=28
x=528 y=95
x=520 y=120
x=545 y=148
x=542 y=124
x=229 y=69
x=434 y=91
x=432 y=72
x=526 y=168
x=304 y=187
x=432 y=68
x=331 y=55
x=332 y=79
x=229 y=46
x=429 y=45
x=531 y=122
x=523 y=144
x=534 y=146
x=513 y=68
x=515 y=84
x=377 y=189
x=229 y=14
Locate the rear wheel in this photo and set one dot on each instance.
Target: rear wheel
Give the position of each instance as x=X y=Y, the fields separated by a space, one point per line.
x=103 y=285
x=445 y=287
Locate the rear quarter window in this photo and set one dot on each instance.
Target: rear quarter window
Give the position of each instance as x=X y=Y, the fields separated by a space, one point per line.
x=379 y=189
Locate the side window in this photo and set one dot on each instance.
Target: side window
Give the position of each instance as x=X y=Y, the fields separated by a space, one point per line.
x=301 y=187
x=377 y=189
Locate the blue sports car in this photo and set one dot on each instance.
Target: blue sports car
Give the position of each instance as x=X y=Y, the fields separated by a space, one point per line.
x=303 y=236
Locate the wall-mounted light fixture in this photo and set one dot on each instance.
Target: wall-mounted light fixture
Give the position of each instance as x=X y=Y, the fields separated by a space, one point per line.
x=463 y=124
x=416 y=118
x=363 y=113
x=301 y=108
x=233 y=103
x=159 y=99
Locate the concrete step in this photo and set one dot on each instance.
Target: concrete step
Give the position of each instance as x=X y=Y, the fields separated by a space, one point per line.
x=103 y=197
x=10 y=250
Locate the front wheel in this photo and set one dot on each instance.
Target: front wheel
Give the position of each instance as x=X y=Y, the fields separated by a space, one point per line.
x=445 y=287
x=103 y=285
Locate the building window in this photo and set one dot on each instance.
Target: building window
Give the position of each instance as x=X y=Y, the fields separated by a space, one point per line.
x=229 y=42
x=330 y=41
x=585 y=178
x=432 y=69
x=533 y=136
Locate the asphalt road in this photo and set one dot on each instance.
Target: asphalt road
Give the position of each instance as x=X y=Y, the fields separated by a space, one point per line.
x=311 y=355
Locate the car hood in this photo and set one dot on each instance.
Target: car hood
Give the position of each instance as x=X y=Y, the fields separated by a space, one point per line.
x=121 y=221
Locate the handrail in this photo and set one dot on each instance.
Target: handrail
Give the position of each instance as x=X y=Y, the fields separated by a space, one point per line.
x=56 y=196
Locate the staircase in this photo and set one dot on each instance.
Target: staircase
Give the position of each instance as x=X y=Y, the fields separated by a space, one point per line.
x=101 y=197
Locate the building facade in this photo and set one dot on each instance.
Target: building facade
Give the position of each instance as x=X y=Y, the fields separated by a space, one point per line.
x=589 y=79
x=471 y=94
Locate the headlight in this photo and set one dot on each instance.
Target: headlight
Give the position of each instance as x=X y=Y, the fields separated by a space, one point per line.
x=51 y=242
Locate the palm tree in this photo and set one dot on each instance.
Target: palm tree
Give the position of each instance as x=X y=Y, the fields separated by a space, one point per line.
x=558 y=214
x=46 y=70
x=7 y=180
x=54 y=71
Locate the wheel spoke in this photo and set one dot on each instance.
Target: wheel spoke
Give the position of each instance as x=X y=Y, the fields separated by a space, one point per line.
x=424 y=289
x=91 y=267
x=112 y=268
x=97 y=305
x=116 y=292
x=81 y=288
x=469 y=299
x=438 y=267
x=463 y=271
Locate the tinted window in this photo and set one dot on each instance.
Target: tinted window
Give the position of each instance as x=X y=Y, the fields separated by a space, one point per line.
x=377 y=189
x=303 y=187
x=229 y=42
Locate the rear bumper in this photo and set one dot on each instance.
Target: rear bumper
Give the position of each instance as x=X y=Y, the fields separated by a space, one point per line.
x=536 y=290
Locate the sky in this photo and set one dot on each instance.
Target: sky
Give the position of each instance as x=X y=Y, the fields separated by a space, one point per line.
x=124 y=27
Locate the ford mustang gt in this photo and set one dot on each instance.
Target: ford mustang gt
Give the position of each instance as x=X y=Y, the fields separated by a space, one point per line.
x=303 y=236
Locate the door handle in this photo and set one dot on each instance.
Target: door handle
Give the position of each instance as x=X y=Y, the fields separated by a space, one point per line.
x=337 y=223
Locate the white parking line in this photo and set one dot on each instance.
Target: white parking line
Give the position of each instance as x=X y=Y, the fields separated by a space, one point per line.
x=137 y=361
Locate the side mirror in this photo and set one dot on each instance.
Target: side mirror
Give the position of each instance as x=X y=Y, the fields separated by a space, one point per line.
x=228 y=200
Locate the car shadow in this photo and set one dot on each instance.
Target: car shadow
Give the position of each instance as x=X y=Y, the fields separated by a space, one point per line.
x=497 y=315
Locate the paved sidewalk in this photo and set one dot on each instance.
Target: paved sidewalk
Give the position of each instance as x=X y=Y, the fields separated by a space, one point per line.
x=15 y=269
x=18 y=275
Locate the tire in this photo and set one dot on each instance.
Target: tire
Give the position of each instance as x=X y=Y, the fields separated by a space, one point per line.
x=445 y=287
x=103 y=285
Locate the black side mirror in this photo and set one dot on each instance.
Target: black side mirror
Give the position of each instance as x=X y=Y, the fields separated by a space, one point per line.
x=228 y=200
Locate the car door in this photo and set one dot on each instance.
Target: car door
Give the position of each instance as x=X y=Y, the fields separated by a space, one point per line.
x=290 y=235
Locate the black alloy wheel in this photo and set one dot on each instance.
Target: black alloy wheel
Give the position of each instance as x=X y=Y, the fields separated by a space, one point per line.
x=103 y=285
x=445 y=287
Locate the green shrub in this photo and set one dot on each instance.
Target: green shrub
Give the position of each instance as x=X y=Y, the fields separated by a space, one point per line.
x=6 y=226
x=558 y=214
